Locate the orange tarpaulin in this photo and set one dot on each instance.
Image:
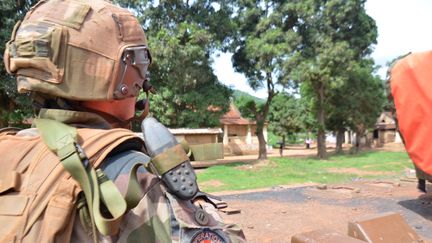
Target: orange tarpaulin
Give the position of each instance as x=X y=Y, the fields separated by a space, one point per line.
x=411 y=86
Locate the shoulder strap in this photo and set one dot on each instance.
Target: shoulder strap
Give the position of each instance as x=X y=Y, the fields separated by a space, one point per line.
x=99 y=143
x=62 y=139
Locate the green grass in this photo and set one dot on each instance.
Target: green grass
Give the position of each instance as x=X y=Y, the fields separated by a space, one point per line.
x=287 y=171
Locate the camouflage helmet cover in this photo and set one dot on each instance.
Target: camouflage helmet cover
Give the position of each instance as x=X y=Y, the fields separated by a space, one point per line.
x=78 y=50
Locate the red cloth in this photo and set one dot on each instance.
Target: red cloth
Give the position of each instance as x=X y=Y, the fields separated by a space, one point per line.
x=411 y=86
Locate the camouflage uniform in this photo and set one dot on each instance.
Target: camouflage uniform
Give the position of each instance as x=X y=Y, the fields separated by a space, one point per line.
x=76 y=56
x=159 y=216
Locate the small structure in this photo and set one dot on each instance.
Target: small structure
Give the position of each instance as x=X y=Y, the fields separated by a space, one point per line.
x=385 y=129
x=384 y=132
x=197 y=135
x=203 y=142
x=239 y=134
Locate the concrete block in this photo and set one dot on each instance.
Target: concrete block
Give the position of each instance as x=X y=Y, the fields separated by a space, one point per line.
x=323 y=236
x=383 y=228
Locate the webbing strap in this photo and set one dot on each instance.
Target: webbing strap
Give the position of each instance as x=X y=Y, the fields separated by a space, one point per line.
x=61 y=139
x=133 y=193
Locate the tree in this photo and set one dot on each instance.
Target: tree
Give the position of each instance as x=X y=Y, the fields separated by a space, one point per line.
x=262 y=50
x=13 y=107
x=338 y=113
x=335 y=35
x=182 y=35
x=243 y=102
x=288 y=115
x=370 y=98
x=357 y=103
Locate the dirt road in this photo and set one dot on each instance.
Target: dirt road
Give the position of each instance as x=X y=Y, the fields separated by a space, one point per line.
x=275 y=214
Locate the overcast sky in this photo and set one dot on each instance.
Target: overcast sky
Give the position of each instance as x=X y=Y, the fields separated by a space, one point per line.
x=403 y=26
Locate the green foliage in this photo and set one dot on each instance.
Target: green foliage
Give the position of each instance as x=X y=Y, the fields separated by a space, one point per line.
x=263 y=53
x=290 y=139
x=246 y=104
x=288 y=115
x=265 y=43
x=240 y=94
x=13 y=107
x=336 y=36
x=273 y=139
x=181 y=36
x=201 y=106
x=358 y=102
x=306 y=170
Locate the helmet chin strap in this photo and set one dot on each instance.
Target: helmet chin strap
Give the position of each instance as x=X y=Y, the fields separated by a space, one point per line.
x=143 y=105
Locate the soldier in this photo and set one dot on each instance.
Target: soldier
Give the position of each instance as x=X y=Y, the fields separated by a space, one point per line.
x=78 y=175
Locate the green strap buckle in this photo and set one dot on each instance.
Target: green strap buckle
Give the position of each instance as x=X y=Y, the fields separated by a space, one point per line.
x=97 y=188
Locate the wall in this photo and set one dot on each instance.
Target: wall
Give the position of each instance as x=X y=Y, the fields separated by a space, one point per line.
x=198 y=138
x=237 y=130
x=201 y=138
x=386 y=136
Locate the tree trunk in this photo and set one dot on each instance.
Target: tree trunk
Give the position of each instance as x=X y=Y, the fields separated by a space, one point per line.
x=260 y=120
x=262 y=152
x=357 y=141
x=261 y=116
x=340 y=137
x=321 y=143
x=357 y=145
x=368 y=139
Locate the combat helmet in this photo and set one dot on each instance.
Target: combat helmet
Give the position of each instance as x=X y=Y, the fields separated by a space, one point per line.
x=78 y=50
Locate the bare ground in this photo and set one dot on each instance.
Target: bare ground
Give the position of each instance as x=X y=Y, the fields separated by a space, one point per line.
x=276 y=214
x=356 y=171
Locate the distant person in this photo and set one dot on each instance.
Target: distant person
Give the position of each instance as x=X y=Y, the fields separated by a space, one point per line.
x=308 y=142
x=281 y=148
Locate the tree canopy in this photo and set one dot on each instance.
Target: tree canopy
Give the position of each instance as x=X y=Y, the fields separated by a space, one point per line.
x=288 y=115
x=263 y=48
x=336 y=35
x=13 y=107
x=322 y=46
x=182 y=35
x=357 y=103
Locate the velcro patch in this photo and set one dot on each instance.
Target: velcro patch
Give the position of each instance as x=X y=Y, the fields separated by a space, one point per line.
x=207 y=235
x=70 y=13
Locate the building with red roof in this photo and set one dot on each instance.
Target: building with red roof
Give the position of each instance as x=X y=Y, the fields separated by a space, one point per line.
x=239 y=134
